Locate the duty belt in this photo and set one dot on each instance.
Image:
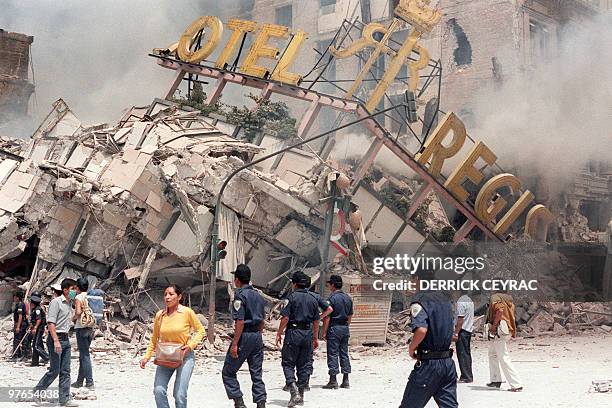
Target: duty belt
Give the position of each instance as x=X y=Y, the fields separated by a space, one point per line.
x=298 y=325
x=337 y=323
x=433 y=355
x=251 y=329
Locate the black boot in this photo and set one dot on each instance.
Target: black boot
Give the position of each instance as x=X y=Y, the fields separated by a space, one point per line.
x=286 y=388
x=345 y=381
x=301 y=391
x=494 y=384
x=332 y=384
x=261 y=404
x=307 y=385
x=239 y=403
x=297 y=396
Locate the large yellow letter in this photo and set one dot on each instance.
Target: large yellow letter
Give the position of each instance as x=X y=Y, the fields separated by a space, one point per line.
x=467 y=170
x=239 y=28
x=536 y=217
x=184 y=46
x=434 y=149
x=486 y=209
x=260 y=49
x=517 y=209
x=281 y=72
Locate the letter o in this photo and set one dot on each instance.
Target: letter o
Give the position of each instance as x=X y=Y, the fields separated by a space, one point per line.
x=184 y=52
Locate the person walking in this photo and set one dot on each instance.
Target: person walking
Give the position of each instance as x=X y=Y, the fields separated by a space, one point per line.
x=84 y=330
x=434 y=374
x=38 y=321
x=337 y=333
x=248 y=312
x=178 y=325
x=58 y=343
x=464 y=325
x=502 y=327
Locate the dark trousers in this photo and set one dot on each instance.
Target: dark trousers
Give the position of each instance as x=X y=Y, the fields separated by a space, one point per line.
x=38 y=346
x=464 y=355
x=296 y=355
x=435 y=379
x=251 y=350
x=59 y=366
x=26 y=348
x=337 y=349
x=84 y=338
x=18 y=348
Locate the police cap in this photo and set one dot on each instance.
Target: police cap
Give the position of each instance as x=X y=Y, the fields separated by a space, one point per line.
x=301 y=279
x=242 y=273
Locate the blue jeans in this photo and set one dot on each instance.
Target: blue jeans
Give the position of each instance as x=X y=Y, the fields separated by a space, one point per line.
x=181 y=383
x=59 y=364
x=84 y=338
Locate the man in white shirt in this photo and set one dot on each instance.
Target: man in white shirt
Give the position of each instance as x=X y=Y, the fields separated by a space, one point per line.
x=462 y=336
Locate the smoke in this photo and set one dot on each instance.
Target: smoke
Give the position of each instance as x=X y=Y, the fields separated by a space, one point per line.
x=94 y=54
x=557 y=118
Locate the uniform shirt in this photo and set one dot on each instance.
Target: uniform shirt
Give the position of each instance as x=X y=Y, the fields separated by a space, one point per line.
x=433 y=311
x=465 y=309
x=323 y=304
x=342 y=305
x=303 y=307
x=249 y=306
x=20 y=309
x=176 y=329
x=60 y=314
x=36 y=315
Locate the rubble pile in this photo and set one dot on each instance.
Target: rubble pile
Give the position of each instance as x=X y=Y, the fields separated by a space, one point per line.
x=129 y=206
x=574 y=227
x=561 y=318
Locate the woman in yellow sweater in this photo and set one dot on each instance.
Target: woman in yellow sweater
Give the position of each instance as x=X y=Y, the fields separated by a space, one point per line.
x=176 y=324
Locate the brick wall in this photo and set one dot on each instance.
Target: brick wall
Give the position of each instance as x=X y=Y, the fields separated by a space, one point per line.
x=14 y=54
x=15 y=90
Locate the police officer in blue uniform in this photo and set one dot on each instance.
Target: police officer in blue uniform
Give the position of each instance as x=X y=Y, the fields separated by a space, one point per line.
x=337 y=333
x=324 y=309
x=248 y=312
x=300 y=323
x=38 y=321
x=434 y=375
x=20 y=327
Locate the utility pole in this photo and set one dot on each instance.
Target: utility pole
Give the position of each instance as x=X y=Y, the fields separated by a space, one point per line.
x=329 y=222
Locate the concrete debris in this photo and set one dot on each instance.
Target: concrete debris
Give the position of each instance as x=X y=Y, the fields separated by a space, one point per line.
x=130 y=205
x=601 y=386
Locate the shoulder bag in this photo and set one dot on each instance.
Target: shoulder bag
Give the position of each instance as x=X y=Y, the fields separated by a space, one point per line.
x=169 y=355
x=87 y=318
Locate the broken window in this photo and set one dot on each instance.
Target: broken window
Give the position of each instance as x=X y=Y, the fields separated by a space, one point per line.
x=327 y=6
x=539 y=40
x=463 y=52
x=284 y=16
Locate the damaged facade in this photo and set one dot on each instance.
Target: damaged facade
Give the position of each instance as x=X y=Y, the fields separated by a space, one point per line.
x=15 y=86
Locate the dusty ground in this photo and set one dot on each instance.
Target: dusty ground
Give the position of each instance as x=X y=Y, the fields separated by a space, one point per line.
x=557 y=372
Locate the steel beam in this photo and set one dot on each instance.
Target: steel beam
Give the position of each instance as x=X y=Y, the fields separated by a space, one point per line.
x=403 y=154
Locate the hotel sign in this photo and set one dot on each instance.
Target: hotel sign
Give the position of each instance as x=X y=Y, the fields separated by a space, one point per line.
x=439 y=147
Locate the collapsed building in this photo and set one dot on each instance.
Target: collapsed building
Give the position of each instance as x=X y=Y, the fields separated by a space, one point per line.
x=129 y=205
